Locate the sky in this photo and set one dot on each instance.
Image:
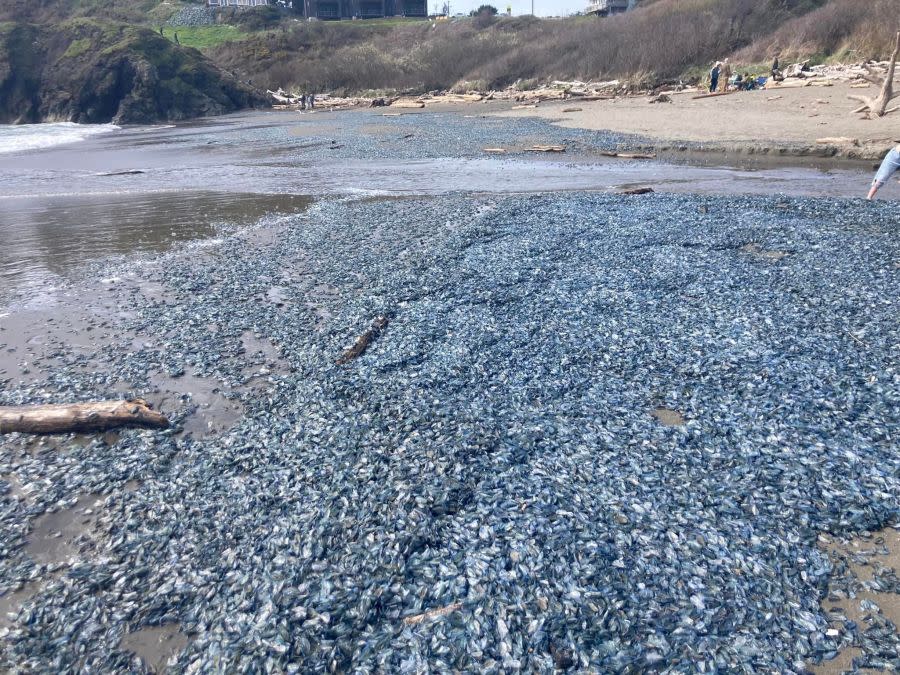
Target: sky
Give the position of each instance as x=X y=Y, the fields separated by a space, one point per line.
x=541 y=7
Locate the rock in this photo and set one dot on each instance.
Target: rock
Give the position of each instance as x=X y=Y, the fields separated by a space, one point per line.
x=193 y=16
x=92 y=72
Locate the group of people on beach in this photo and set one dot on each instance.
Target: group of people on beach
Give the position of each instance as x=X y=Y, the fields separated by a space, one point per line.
x=721 y=72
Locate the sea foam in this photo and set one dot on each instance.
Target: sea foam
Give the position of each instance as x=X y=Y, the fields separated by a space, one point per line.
x=23 y=137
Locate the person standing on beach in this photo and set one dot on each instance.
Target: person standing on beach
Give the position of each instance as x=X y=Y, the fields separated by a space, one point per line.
x=889 y=165
x=725 y=74
x=776 y=71
x=714 y=77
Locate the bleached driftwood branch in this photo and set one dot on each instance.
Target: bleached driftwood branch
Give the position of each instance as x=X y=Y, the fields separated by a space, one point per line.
x=878 y=106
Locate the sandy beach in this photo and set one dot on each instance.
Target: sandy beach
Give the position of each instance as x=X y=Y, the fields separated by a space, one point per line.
x=787 y=120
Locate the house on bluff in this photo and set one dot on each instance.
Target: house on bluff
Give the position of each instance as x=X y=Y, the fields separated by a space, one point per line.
x=237 y=3
x=609 y=7
x=342 y=9
x=363 y=9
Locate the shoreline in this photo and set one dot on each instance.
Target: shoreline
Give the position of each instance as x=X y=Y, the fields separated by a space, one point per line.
x=114 y=192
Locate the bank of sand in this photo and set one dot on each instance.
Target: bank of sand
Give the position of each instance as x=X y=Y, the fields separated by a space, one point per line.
x=787 y=120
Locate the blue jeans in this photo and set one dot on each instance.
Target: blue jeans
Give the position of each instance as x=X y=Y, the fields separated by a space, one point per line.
x=713 y=84
x=889 y=165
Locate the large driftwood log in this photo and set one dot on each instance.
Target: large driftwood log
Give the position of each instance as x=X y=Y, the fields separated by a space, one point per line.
x=878 y=105
x=79 y=417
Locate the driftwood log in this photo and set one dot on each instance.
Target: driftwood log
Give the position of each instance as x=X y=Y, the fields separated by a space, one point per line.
x=80 y=417
x=636 y=191
x=629 y=155
x=878 y=106
x=711 y=95
x=363 y=341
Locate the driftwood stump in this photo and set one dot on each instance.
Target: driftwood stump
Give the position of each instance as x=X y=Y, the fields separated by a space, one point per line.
x=878 y=106
x=79 y=417
x=363 y=341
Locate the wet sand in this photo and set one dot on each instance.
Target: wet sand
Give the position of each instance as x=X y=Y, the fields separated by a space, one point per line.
x=48 y=235
x=863 y=564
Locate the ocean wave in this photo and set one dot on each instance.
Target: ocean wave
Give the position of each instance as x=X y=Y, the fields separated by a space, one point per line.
x=24 y=137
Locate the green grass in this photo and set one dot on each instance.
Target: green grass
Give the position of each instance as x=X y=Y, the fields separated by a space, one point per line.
x=381 y=23
x=77 y=48
x=204 y=37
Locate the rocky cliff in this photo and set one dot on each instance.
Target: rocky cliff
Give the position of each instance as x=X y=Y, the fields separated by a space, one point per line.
x=89 y=71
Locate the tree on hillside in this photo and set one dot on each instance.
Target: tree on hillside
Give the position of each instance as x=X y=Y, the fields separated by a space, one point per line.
x=484 y=10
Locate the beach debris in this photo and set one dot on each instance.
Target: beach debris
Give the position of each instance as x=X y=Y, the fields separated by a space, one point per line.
x=797 y=70
x=712 y=95
x=838 y=140
x=127 y=172
x=495 y=151
x=878 y=105
x=661 y=98
x=774 y=98
x=363 y=341
x=628 y=155
x=282 y=97
x=547 y=148
x=407 y=103
x=498 y=450
x=636 y=191
x=80 y=417
x=416 y=619
x=525 y=107
x=572 y=110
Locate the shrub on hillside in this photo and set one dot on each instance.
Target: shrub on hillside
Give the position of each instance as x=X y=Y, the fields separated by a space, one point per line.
x=840 y=28
x=661 y=41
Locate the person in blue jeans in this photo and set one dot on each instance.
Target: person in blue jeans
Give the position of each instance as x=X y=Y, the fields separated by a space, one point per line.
x=889 y=165
x=714 y=77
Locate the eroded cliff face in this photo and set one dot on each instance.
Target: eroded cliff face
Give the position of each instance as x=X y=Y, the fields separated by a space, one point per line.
x=95 y=72
x=20 y=68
